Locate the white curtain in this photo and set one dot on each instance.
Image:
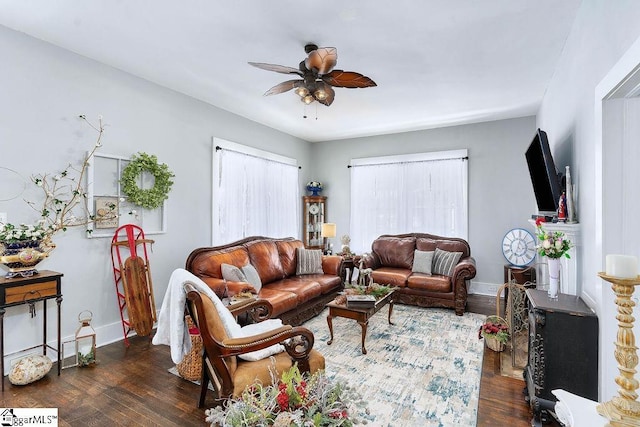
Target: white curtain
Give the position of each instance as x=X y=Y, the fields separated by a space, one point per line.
x=253 y=196
x=400 y=194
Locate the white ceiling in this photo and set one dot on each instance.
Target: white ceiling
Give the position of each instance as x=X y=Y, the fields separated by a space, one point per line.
x=436 y=62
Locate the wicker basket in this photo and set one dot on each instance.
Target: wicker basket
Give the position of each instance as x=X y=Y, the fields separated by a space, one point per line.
x=492 y=342
x=190 y=368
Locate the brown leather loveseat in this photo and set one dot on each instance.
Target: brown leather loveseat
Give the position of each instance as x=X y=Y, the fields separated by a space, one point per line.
x=294 y=298
x=392 y=262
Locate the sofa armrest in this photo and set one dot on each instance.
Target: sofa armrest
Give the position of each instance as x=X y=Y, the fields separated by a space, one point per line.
x=332 y=264
x=258 y=309
x=232 y=288
x=464 y=270
x=370 y=260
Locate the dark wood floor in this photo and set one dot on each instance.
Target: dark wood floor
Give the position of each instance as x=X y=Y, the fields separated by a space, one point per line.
x=131 y=387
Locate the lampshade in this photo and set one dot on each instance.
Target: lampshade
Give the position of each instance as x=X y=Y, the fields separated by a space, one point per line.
x=328 y=229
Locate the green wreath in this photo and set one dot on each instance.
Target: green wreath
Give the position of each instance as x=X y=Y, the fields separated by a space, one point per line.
x=153 y=197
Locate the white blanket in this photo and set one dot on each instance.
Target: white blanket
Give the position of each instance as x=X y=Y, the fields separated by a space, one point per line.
x=172 y=329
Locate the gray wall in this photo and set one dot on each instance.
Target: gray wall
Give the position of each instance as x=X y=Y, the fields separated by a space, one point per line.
x=500 y=192
x=44 y=89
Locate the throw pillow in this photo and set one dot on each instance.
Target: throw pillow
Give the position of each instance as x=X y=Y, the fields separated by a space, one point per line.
x=259 y=328
x=29 y=369
x=445 y=262
x=232 y=273
x=252 y=276
x=309 y=261
x=422 y=262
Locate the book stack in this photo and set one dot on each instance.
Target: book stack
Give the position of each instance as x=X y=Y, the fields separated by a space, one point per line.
x=361 y=301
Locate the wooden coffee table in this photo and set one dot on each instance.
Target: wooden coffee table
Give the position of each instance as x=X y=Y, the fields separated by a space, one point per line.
x=361 y=315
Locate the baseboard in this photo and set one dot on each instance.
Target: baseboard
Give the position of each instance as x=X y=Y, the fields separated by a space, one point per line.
x=106 y=334
x=483 y=288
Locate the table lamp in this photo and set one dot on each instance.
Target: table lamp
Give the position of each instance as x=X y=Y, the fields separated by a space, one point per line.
x=328 y=231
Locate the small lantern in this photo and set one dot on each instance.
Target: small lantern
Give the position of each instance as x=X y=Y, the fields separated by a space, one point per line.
x=85 y=340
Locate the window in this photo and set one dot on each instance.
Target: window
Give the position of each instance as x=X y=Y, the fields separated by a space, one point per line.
x=424 y=192
x=255 y=193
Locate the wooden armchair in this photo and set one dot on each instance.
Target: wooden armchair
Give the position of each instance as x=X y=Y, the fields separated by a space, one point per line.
x=221 y=366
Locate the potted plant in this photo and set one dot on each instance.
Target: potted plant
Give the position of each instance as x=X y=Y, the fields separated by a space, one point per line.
x=495 y=332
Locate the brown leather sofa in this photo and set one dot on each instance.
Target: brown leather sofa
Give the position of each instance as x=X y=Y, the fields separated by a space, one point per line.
x=294 y=299
x=391 y=260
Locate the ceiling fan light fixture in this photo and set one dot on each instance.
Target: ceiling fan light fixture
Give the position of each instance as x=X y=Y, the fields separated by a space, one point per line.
x=302 y=91
x=320 y=94
x=316 y=77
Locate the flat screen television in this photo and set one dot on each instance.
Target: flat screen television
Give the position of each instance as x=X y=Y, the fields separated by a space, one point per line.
x=544 y=176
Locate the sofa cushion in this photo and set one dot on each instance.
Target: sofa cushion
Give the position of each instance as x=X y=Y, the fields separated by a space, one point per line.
x=281 y=300
x=422 y=262
x=391 y=276
x=265 y=258
x=309 y=261
x=426 y=244
x=209 y=264
x=287 y=251
x=394 y=251
x=303 y=287
x=445 y=262
x=454 y=246
x=327 y=282
x=232 y=273
x=252 y=276
x=429 y=282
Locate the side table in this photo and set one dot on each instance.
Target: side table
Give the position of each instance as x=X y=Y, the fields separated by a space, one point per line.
x=349 y=264
x=29 y=290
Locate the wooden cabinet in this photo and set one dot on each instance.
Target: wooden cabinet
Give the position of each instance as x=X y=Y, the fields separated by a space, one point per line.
x=314 y=212
x=43 y=286
x=563 y=350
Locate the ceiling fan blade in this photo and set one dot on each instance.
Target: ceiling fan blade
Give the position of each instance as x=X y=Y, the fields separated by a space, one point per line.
x=322 y=60
x=277 y=68
x=330 y=94
x=348 y=79
x=284 y=87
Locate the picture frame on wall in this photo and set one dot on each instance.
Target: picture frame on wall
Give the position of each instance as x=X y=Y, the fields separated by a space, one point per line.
x=106 y=215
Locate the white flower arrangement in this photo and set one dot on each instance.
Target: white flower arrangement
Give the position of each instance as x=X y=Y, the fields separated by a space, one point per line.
x=10 y=233
x=314 y=184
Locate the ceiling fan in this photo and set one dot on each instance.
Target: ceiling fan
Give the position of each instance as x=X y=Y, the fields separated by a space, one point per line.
x=317 y=76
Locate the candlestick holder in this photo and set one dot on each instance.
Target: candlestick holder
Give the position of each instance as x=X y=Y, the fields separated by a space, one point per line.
x=624 y=409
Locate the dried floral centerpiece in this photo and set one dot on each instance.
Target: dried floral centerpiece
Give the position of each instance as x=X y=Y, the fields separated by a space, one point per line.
x=376 y=290
x=25 y=245
x=294 y=400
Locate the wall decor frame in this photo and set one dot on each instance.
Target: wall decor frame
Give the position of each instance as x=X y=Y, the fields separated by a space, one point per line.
x=103 y=186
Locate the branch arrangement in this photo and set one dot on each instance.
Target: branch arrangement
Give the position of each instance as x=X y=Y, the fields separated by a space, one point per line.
x=66 y=191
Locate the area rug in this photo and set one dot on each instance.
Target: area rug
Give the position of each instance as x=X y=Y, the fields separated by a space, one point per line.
x=423 y=370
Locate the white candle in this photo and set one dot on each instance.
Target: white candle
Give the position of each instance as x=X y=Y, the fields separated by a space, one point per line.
x=623 y=266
